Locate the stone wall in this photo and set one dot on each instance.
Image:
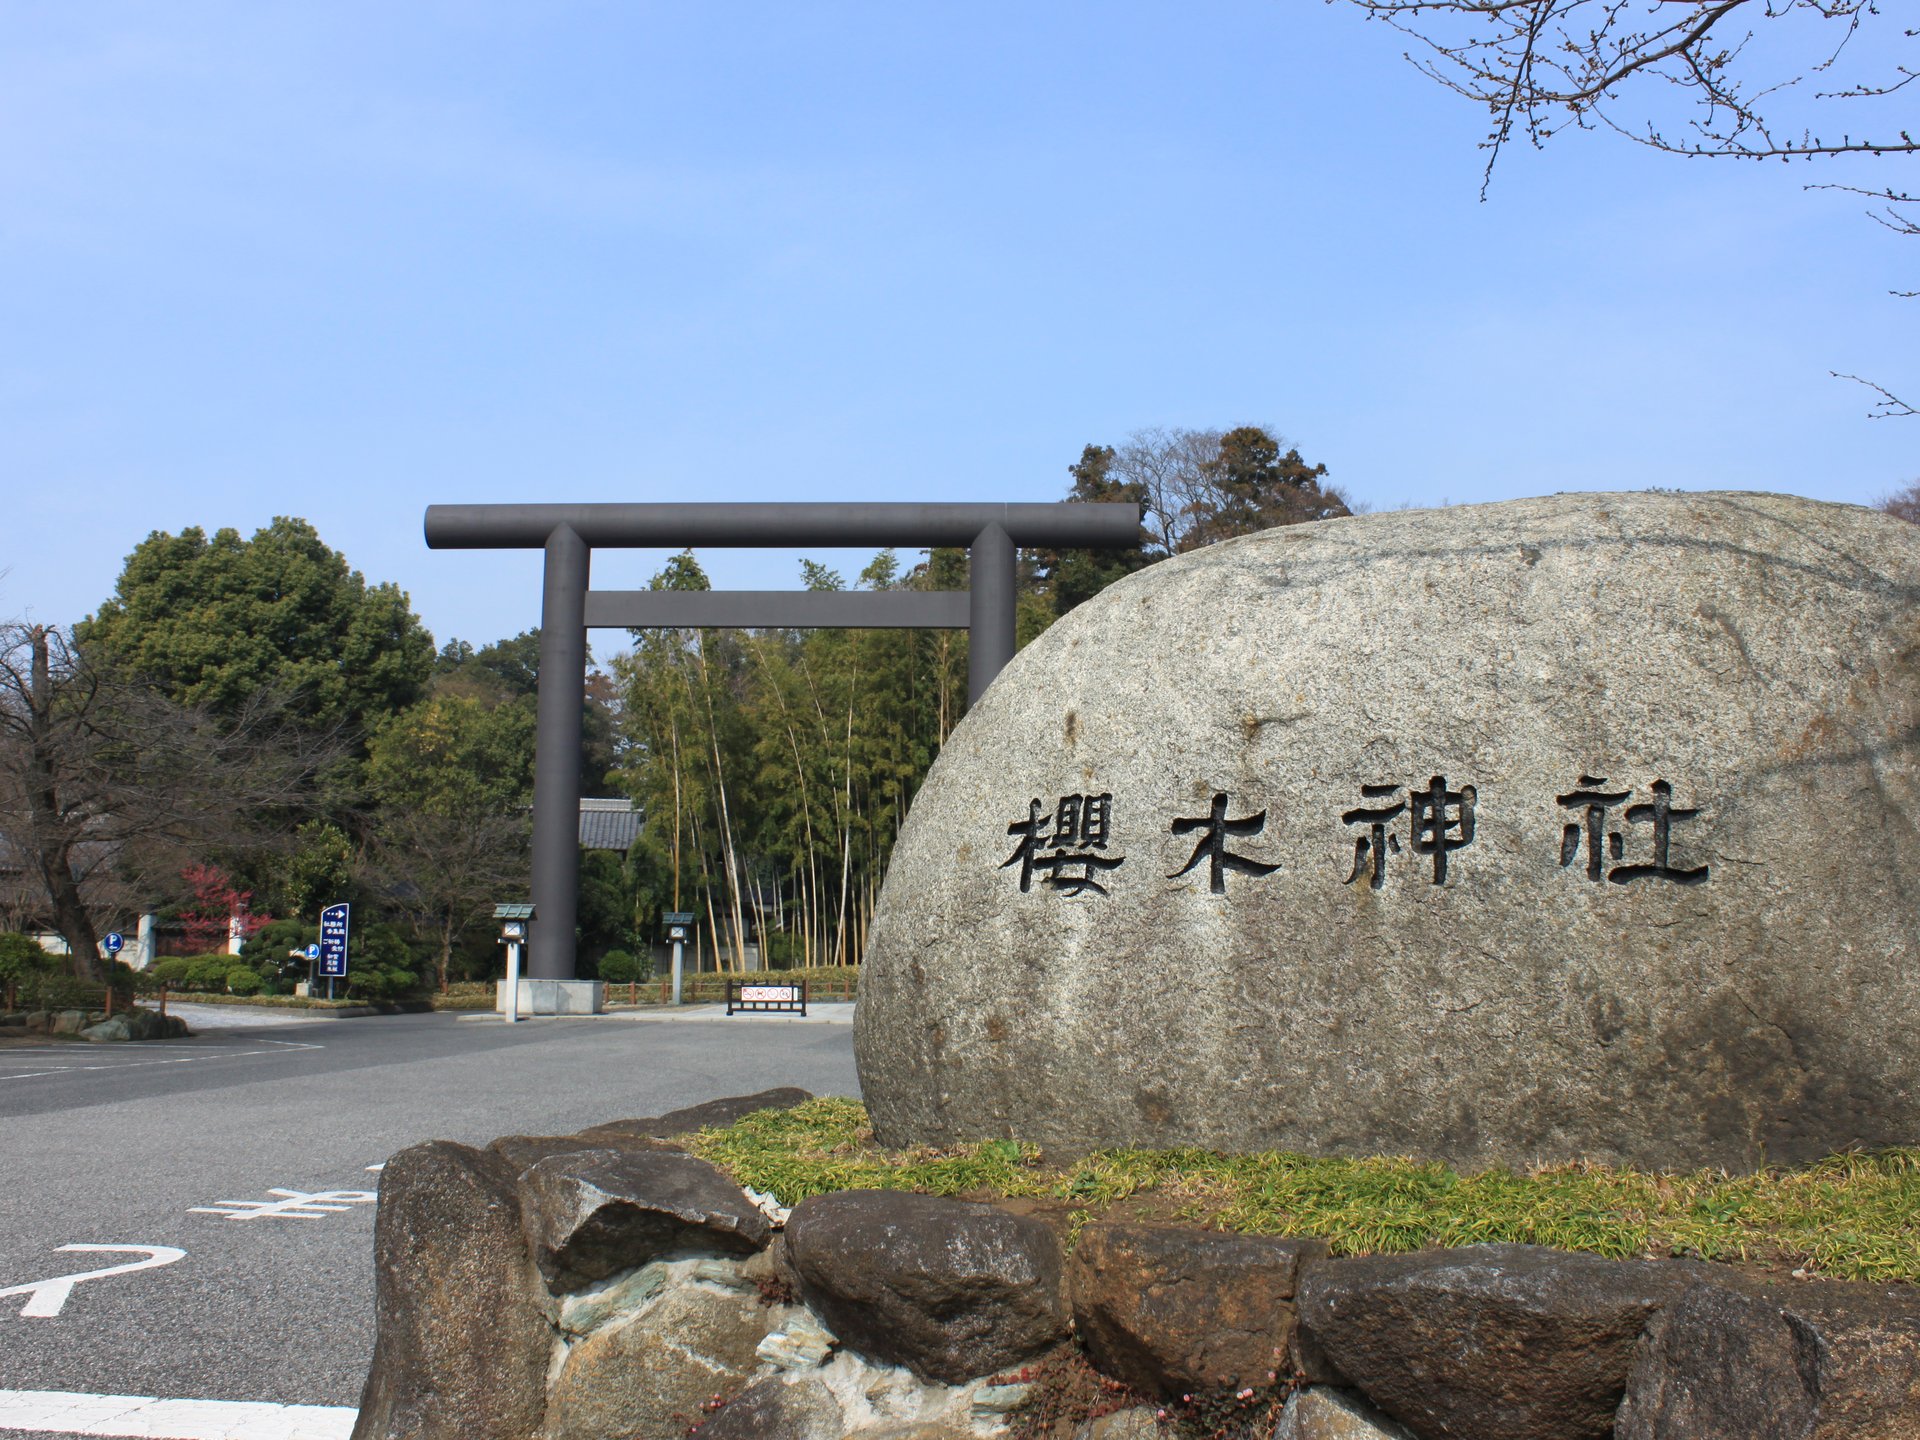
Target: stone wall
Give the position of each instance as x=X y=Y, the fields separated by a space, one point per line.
x=128 y=1023
x=607 y=1284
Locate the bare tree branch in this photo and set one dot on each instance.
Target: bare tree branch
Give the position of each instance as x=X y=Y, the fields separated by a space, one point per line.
x=1537 y=64
x=1888 y=407
x=1530 y=61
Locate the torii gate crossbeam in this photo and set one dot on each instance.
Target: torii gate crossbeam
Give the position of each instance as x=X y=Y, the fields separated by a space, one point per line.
x=568 y=534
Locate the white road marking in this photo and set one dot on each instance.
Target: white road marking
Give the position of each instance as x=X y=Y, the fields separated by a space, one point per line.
x=67 y=1412
x=293 y=1205
x=175 y=1060
x=376 y=1169
x=46 y=1298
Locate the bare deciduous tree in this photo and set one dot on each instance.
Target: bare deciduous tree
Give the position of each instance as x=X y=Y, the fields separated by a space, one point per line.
x=1199 y=486
x=1540 y=65
x=1902 y=504
x=444 y=871
x=107 y=788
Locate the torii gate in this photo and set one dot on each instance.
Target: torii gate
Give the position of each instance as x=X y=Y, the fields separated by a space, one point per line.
x=568 y=534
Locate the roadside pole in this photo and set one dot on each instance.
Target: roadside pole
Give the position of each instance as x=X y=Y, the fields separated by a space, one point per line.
x=514 y=922
x=677 y=923
x=513 y=981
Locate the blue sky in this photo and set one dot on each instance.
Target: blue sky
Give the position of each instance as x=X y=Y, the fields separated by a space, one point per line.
x=344 y=261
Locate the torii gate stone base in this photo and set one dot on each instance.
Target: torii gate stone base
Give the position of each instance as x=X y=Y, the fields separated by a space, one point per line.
x=568 y=535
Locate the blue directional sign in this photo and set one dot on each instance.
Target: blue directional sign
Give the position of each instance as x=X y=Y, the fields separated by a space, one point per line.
x=114 y=942
x=333 y=941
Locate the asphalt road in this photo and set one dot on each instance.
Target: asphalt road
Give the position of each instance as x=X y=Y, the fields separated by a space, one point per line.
x=124 y=1145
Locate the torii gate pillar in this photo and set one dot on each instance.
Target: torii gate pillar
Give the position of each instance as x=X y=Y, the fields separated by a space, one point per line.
x=568 y=533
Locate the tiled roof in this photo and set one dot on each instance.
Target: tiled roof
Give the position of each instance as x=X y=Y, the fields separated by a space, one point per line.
x=608 y=824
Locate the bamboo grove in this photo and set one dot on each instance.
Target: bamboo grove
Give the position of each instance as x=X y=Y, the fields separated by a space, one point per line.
x=775 y=767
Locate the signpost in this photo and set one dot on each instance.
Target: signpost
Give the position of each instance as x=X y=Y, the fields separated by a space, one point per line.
x=678 y=923
x=114 y=941
x=333 y=944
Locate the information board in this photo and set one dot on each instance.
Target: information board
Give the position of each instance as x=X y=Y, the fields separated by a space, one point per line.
x=333 y=941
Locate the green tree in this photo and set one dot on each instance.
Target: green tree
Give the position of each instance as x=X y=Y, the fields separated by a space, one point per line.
x=21 y=958
x=452 y=776
x=316 y=871
x=605 y=915
x=1194 y=488
x=215 y=621
x=1072 y=577
x=1253 y=486
x=825 y=733
x=510 y=669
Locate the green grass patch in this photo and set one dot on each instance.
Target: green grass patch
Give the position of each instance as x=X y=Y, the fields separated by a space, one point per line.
x=464 y=995
x=1853 y=1217
x=258 y=1002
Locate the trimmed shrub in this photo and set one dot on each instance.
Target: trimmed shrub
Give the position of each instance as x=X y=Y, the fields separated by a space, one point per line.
x=270 y=943
x=244 y=980
x=617 y=967
x=209 y=972
x=171 y=971
x=376 y=982
x=22 y=955
x=60 y=992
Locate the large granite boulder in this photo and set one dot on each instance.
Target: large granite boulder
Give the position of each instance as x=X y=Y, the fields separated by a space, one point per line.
x=1489 y=1342
x=949 y=1289
x=1170 y=1310
x=461 y=1339
x=1578 y=826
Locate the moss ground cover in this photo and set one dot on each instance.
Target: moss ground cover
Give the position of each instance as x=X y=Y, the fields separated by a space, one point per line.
x=1854 y=1216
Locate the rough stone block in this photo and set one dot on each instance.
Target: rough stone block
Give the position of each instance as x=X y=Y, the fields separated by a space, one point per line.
x=1488 y=1342
x=659 y=1374
x=460 y=1337
x=1803 y=1362
x=949 y=1289
x=592 y=1213
x=710 y=1114
x=778 y=1408
x=1170 y=1310
x=1319 y=1413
